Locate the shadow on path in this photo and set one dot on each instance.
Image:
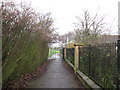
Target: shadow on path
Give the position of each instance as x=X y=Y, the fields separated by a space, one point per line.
x=57 y=75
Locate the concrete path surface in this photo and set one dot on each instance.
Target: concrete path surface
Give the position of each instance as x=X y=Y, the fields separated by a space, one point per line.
x=57 y=75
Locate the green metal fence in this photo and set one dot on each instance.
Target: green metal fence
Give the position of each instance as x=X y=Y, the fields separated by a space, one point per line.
x=62 y=52
x=70 y=55
x=100 y=63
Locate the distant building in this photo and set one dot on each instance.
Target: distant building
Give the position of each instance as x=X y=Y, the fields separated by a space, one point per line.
x=108 y=39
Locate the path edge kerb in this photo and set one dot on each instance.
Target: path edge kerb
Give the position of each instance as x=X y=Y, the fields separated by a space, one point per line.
x=86 y=81
x=90 y=83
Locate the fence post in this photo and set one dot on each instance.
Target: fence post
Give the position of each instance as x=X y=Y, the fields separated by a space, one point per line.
x=76 y=58
x=65 y=53
x=118 y=64
x=89 y=58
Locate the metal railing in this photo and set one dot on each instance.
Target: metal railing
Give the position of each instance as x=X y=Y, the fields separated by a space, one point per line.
x=70 y=55
x=100 y=62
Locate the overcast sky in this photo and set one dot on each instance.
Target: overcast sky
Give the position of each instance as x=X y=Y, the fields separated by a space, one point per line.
x=65 y=11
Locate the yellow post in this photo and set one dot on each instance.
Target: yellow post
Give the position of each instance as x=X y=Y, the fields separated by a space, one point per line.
x=65 y=53
x=76 y=58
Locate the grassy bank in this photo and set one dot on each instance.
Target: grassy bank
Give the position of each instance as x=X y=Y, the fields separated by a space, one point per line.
x=52 y=51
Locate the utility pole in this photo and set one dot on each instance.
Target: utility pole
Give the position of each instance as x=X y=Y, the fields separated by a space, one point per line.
x=66 y=39
x=119 y=21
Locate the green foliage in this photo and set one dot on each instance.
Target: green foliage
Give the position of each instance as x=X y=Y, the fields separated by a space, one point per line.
x=25 y=40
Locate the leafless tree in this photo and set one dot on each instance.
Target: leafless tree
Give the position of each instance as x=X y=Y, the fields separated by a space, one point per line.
x=88 y=28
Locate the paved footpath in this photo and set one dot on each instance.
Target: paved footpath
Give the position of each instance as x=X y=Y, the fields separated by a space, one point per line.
x=57 y=75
